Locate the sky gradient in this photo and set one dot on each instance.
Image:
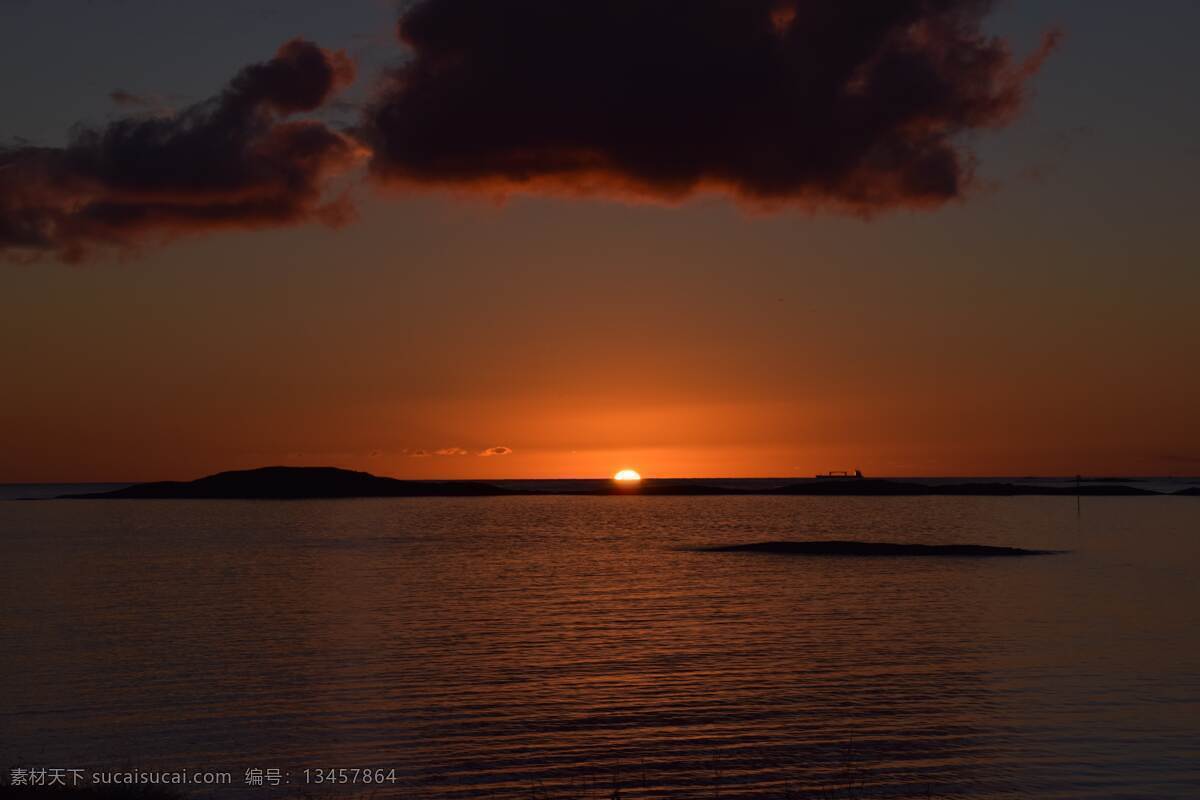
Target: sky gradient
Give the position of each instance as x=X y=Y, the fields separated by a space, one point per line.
x=1040 y=320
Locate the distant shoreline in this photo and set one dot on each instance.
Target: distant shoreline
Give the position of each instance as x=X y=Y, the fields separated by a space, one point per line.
x=281 y=483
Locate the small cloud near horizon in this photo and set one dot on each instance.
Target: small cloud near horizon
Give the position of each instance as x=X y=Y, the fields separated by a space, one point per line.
x=499 y=450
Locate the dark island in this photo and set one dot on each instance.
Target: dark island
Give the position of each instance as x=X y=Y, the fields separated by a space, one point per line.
x=838 y=547
x=292 y=483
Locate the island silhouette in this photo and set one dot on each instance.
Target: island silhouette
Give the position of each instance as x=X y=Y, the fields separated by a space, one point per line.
x=285 y=483
x=294 y=483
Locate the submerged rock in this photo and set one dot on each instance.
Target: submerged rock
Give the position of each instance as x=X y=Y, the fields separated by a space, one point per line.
x=849 y=548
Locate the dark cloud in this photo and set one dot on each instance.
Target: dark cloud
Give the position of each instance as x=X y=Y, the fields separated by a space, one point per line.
x=236 y=160
x=121 y=97
x=848 y=106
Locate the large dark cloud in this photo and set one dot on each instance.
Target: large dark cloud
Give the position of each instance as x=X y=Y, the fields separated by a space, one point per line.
x=823 y=104
x=833 y=104
x=237 y=160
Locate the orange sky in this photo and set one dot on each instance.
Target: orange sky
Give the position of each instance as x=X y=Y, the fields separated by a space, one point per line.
x=1044 y=325
x=594 y=336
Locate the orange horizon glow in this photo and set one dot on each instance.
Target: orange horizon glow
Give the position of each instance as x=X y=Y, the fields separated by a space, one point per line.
x=738 y=355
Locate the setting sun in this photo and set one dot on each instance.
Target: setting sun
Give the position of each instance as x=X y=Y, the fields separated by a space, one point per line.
x=627 y=475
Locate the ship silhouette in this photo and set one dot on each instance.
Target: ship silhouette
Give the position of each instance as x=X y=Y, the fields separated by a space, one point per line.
x=841 y=475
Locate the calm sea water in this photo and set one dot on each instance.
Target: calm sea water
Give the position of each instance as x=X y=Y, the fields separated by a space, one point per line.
x=550 y=646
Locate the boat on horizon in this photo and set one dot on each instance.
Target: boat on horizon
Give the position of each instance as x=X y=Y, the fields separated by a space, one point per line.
x=841 y=475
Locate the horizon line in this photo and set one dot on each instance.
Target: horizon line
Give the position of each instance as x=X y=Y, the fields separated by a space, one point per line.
x=644 y=478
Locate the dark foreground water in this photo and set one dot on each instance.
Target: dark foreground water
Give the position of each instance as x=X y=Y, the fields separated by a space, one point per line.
x=551 y=646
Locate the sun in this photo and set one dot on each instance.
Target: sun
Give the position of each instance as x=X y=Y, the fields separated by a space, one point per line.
x=627 y=475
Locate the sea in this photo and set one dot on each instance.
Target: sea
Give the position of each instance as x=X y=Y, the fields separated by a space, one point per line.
x=549 y=647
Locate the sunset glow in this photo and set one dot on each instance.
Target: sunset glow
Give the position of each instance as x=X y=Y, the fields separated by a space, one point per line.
x=796 y=309
x=322 y=324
